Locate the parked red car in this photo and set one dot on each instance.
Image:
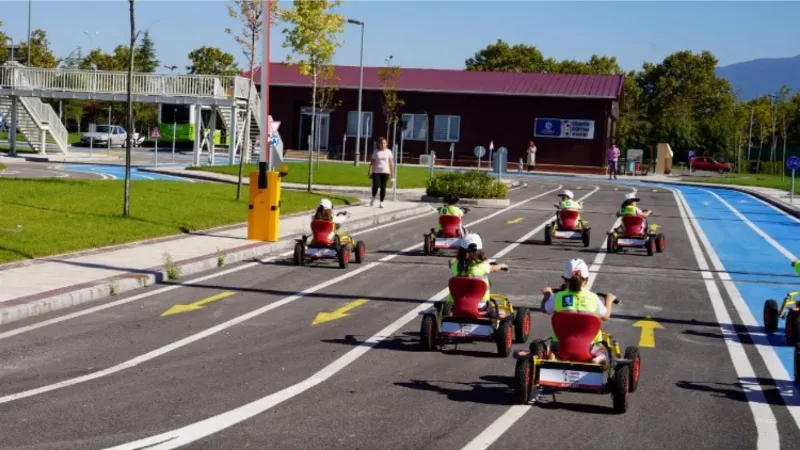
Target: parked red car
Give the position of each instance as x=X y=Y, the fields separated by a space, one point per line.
x=706 y=163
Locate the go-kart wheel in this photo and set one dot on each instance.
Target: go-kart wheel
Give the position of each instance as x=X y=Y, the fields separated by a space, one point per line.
x=426 y=246
x=797 y=364
x=299 y=254
x=611 y=244
x=361 y=252
x=771 y=316
x=793 y=327
x=522 y=325
x=632 y=353
x=620 y=389
x=661 y=243
x=538 y=349
x=504 y=338
x=586 y=237
x=428 y=333
x=548 y=235
x=522 y=381
x=344 y=256
x=651 y=246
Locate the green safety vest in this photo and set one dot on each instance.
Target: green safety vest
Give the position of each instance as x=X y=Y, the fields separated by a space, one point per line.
x=450 y=210
x=475 y=270
x=629 y=210
x=583 y=302
x=797 y=268
x=569 y=204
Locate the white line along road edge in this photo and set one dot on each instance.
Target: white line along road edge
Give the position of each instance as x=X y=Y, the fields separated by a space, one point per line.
x=497 y=428
x=232 y=322
x=782 y=378
x=198 y=430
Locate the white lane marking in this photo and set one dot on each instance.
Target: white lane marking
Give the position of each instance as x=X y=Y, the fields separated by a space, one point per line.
x=214 y=424
x=506 y=420
x=188 y=283
x=764 y=419
x=795 y=219
x=230 y=323
x=781 y=377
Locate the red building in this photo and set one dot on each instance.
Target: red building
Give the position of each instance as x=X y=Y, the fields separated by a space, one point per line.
x=571 y=118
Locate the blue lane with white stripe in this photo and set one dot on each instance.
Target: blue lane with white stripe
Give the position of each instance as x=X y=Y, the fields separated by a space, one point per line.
x=118 y=172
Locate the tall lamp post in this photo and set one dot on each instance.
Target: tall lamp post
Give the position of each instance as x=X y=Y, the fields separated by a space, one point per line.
x=91 y=35
x=360 y=89
x=171 y=68
x=29 y=32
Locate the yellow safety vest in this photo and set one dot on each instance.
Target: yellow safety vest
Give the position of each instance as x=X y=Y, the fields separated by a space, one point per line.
x=629 y=210
x=569 y=204
x=475 y=270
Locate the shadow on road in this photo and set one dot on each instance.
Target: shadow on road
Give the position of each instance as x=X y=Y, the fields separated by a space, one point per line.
x=492 y=390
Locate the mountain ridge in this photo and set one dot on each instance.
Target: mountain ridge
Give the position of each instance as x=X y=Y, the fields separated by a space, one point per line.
x=762 y=76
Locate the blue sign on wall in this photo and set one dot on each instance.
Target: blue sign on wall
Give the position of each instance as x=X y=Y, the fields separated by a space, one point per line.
x=564 y=128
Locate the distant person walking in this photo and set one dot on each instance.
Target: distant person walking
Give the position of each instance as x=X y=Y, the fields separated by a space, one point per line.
x=380 y=170
x=613 y=158
x=531 y=155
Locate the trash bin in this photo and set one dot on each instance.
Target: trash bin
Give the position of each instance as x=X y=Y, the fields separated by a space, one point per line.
x=631 y=167
x=753 y=166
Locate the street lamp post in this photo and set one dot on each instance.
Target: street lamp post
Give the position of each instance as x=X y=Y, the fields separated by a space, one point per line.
x=29 y=32
x=360 y=89
x=171 y=68
x=91 y=35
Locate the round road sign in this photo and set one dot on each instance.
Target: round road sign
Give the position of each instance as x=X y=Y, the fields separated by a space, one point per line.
x=793 y=163
x=480 y=151
x=502 y=150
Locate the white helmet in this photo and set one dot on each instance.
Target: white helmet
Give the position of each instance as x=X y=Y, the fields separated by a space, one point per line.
x=568 y=194
x=631 y=196
x=470 y=240
x=326 y=204
x=576 y=266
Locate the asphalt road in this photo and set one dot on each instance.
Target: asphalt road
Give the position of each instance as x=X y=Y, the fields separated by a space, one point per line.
x=252 y=370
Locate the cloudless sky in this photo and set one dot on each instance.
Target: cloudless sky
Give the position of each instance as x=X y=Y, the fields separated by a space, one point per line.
x=442 y=34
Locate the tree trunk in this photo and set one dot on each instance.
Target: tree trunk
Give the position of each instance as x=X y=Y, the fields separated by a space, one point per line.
x=126 y=207
x=313 y=120
x=246 y=129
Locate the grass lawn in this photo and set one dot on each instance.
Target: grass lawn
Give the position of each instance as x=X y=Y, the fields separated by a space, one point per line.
x=52 y=216
x=333 y=174
x=750 y=179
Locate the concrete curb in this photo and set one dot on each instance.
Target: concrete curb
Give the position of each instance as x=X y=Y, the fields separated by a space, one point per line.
x=46 y=302
x=780 y=205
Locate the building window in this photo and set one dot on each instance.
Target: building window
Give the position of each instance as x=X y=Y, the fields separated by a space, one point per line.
x=416 y=127
x=366 y=124
x=446 y=128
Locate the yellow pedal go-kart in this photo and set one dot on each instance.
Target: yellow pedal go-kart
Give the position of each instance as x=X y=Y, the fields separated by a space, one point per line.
x=322 y=246
x=568 y=226
x=577 y=365
x=789 y=310
x=466 y=321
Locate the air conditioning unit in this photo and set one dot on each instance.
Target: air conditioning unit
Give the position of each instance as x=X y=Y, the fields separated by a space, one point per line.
x=427 y=160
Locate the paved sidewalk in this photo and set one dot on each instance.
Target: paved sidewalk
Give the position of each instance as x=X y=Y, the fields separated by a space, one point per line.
x=39 y=286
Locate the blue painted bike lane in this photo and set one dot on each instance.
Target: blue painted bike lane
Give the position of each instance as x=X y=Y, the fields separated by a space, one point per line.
x=758 y=270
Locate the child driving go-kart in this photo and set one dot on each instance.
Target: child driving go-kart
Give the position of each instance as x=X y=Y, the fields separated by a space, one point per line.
x=630 y=208
x=577 y=299
x=327 y=241
x=568 y=224
x=472 y=262
x=450 y=209
x=449 y=230
x=568 y=203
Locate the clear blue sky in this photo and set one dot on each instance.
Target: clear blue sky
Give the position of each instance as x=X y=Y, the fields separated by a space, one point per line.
x=442 y=34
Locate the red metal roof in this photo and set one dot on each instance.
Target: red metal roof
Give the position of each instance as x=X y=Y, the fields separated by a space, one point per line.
x=463 y=82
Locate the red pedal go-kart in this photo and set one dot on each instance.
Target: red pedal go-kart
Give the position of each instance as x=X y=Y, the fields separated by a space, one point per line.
x=499 y=322
x=568 y=226
x=322 y=247
x=447 y=238
x=789 y=310
x=577 y=366
x=632 y=234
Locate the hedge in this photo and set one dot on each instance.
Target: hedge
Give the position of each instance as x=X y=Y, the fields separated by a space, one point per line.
x=472 y=184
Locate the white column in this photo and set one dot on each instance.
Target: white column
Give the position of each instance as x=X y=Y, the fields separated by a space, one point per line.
x=213 y=126
x=232 y=134
x=12 y=134
x=198 y=137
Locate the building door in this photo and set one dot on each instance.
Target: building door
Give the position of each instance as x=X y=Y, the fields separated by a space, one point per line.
x=322 y=129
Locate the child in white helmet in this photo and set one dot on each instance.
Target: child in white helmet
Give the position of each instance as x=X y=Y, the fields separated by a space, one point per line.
x=471 y=261
x=568 y=203
x=630 y=208
x=325 y=212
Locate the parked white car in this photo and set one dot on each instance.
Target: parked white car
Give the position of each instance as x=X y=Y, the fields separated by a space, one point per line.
x=105 y=136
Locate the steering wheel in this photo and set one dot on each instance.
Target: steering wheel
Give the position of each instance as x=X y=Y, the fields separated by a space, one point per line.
x=494 y=263
x=603 y=296
x=465 y=209
x=343 y=213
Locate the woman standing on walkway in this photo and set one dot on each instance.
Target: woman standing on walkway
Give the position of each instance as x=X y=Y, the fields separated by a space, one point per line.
x=380 y=170
x=531 y=156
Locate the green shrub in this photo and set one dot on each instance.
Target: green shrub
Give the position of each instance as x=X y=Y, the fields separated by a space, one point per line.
x=472 y=184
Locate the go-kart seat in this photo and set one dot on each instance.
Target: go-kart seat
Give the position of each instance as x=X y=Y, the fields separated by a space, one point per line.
x=569 y=218
x=575 y=332
x=467 y=294
x=632 y=225
x=450 y=226
x=321 y=230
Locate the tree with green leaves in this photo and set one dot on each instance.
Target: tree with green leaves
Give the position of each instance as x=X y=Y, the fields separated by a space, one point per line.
x=312 y=34
x=146 y=58
x=39 y=48
x=391 y=102
x=501 y=57
x=3 y=49
x=212 y=61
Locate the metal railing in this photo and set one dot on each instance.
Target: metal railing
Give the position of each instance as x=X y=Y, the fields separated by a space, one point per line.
x=105 y=82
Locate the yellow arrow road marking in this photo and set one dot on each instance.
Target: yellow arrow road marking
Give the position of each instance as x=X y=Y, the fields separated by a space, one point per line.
x=339 y=313
x=177 y=309
x=648 y=336
x=513 y=221
x=616 y=188
x=655 y=190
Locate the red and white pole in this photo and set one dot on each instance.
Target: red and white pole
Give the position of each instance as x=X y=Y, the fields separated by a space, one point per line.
x=266 y=124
